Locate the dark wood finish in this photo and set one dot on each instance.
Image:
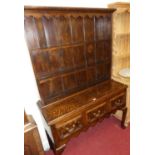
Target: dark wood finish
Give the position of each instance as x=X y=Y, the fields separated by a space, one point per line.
x=66 y=49
x=70 y=49
x=32 y=142
x=124 y=117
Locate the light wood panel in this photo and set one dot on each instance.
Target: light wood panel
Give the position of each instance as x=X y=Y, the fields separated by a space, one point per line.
x=121 y=47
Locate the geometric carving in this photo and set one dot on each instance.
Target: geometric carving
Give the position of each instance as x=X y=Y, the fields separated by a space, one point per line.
x=118 y=102
x=69 y=128
x=96 y=113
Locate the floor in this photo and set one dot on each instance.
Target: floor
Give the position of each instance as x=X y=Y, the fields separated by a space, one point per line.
x=105 y=138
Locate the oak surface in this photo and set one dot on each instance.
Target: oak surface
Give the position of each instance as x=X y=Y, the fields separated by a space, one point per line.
x=32 y=141
x=71 y=54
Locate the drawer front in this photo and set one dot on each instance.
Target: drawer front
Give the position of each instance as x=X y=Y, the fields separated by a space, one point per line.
x=96 y=113
x=118 y=101
x=68 y=128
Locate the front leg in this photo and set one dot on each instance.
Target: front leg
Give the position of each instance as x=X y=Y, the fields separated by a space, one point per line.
x=124 y=110
x=59 y=150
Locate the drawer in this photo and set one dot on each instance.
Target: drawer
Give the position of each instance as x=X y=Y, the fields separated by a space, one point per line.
x=118 y=101
x=96 y=113
x=68 y=128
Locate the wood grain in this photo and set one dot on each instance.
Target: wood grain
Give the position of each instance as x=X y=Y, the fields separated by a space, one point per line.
x=121 y=47
x=71 y=54
x=32 y=141
x=62 y=45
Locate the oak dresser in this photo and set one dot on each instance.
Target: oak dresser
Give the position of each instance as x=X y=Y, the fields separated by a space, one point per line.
x=70 y=49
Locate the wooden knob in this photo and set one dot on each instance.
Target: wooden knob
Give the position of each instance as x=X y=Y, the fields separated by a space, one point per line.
x=94 y=114
x=73 y=125
x=99 y=111
x=66 y=128
x=118 y=103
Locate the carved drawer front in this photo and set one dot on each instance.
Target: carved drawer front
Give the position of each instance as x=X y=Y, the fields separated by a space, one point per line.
x=118 y=101
x=70 y=127
x=96 y=113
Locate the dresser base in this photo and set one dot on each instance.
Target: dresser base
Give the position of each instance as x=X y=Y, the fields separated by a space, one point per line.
x=59 y=150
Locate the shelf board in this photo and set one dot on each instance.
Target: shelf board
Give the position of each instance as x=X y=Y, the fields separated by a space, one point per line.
x=121 y=79
x=117 y=55
x=121 y=35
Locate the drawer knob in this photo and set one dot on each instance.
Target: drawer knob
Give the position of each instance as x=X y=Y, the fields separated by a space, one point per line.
x=66 y=128
x=118 y=102
x=97 y=114
x=73 y=125
x=99 y=111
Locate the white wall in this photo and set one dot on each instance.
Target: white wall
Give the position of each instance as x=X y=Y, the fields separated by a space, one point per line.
x=32 y=95
x=76 y=3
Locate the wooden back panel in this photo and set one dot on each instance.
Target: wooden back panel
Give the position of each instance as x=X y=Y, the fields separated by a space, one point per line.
x=70 y=48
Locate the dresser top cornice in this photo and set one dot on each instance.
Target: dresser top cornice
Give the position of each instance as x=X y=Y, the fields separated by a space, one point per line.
x=68 y=9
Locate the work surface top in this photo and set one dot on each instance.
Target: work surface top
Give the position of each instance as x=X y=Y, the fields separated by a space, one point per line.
x=81 y=99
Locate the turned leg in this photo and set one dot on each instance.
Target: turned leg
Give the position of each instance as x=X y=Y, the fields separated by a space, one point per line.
x=59 y=150
x=123 y=117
